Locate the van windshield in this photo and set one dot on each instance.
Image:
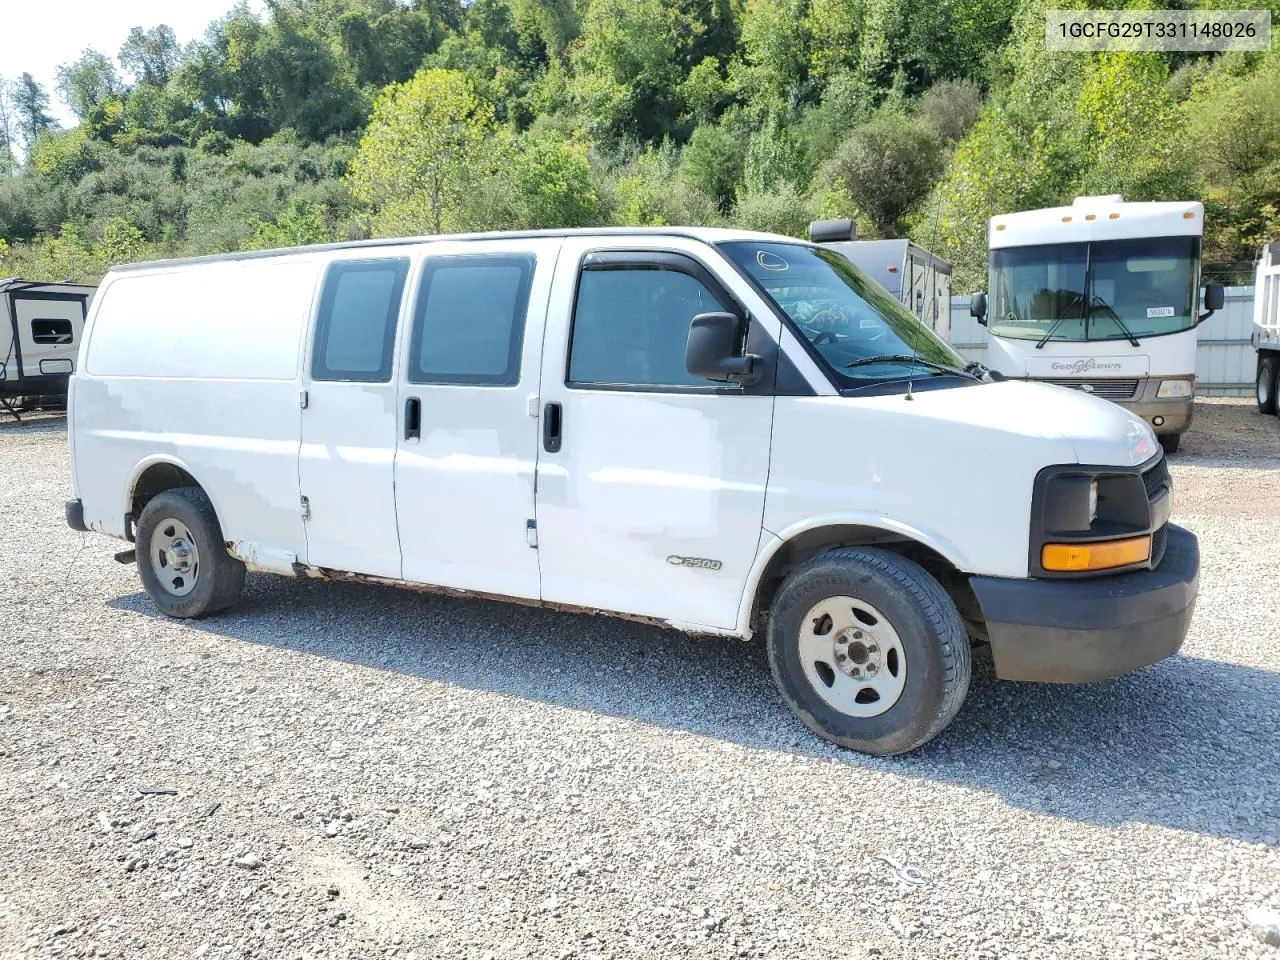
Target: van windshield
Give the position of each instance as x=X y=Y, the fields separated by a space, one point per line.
x=856 y=326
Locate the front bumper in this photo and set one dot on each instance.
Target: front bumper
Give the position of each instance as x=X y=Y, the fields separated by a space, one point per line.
x=1080 y=630
x=1174 y=415
x=74 y=511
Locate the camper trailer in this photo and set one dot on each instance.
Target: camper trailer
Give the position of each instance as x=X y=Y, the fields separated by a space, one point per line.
x=40 y=325
x=913 y=275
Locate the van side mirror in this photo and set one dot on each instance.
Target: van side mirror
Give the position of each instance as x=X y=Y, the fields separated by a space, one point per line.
x=978 y=307
x=1215 y=295
x=712 y=350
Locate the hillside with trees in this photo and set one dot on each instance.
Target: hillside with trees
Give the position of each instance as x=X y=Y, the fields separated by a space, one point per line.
x=333 y=119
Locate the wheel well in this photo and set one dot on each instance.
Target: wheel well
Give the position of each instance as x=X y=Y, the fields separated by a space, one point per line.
x=811 y=543
x=156 y=479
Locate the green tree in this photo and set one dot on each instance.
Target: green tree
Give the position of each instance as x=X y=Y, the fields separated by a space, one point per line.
x=950 y=108
x=8 y=132
x=625 y=69
x=712 y=162
x=429 y=141
x=888 y=166
x=84 y=84
x=150 y=56
x=551 y=184
x=30 y=105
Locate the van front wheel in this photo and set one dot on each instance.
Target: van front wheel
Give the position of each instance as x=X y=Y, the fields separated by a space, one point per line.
x=182 y=558
x=868 y=650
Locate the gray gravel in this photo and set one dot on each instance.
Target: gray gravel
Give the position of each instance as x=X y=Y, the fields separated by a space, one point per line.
x=348 y=771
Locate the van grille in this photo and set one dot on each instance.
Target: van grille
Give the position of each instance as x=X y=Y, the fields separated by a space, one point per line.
x=1157 y=546
x=1107 y=389
x=1156 y=478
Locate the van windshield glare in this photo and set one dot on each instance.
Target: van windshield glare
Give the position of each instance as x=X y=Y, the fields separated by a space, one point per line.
x=845 y=315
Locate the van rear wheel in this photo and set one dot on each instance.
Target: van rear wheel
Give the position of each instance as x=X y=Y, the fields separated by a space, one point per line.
x=182 y=558
x=868 y=650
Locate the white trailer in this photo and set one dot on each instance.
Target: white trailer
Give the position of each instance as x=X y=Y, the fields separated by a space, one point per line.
x=917 y=278
x=1266 y=327
x=40 y=327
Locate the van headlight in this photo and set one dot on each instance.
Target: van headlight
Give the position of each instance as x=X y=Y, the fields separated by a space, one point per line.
x=1173 y=390
x=1089 y=519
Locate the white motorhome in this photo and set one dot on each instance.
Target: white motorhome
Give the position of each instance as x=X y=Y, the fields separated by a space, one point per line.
x=1102 y=296
x=698 y=428
x=40 y=327
x=917 y=278
x=1266 y=327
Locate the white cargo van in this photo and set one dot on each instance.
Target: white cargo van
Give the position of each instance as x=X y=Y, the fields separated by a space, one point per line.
x=718 y=431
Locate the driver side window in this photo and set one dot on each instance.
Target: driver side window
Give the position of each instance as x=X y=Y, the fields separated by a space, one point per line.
x=631 y=325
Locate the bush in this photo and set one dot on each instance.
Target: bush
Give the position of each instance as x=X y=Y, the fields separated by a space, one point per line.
x=887 y=165
x=785 y=210
x=950 y=108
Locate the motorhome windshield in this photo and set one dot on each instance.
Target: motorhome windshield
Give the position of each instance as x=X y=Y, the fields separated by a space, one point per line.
x=1105 y=290
x=852 y=323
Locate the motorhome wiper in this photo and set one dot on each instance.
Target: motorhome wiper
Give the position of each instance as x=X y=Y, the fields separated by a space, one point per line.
x=1048 y=334
x=908 y=358
x=1097 y=301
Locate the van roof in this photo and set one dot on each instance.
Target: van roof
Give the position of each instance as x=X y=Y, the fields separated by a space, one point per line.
x=704 y=234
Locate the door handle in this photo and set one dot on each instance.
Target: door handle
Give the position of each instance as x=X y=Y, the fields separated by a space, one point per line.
x=413 y=419
x=552 y=427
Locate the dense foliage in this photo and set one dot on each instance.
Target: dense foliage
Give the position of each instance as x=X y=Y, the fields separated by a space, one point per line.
x=332 y=119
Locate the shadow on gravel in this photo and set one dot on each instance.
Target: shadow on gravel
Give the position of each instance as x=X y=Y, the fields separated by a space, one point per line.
x=1188 y=744
x=33 y=423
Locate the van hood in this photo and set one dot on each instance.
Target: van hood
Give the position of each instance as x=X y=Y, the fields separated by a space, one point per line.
x=1100 y=432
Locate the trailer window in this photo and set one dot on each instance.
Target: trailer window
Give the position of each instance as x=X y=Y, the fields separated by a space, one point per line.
x=355 y=330
x=49 y=330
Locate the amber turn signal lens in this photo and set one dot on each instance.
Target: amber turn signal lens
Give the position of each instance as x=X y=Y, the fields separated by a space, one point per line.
x=1078 y=557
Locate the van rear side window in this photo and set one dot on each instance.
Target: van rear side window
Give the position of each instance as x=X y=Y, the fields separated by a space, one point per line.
x=469 y=322
x=356 y=327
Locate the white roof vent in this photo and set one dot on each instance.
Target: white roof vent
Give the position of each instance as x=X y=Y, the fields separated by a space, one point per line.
x=1098 y=201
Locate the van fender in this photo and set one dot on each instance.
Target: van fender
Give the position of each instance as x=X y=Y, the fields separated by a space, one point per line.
x=771 y=543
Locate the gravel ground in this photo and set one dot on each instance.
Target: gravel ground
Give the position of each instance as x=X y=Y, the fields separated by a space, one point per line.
x=348 y=771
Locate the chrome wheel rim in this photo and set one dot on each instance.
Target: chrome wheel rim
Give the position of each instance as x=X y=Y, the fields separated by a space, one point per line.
x=175 y=559
x=1264 y=386
x=852 y=656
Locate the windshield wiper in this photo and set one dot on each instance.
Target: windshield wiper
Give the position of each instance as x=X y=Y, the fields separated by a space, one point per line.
x=1048 y=334
x=908 y=358
x=1097 y=301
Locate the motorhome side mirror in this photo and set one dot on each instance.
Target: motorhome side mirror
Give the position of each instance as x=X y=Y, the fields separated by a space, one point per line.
x=712 y=349
x=1215 y=295
x=978 y=307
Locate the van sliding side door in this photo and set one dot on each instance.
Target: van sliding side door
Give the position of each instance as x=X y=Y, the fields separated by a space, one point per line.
x=467 y=441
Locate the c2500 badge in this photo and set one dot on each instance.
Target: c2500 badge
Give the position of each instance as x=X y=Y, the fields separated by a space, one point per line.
x=700 y=563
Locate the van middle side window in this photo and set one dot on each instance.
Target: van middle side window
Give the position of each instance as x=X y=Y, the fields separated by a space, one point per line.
x=631 y=323
x=468 y=325
x=355 y=331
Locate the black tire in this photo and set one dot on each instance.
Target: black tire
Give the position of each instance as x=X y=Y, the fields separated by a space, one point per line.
x=218 y=576
x=929 y=629
x=1267 y=384
x=1170 y=442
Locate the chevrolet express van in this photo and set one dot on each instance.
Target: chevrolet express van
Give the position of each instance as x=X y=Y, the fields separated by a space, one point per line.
x=717 y=431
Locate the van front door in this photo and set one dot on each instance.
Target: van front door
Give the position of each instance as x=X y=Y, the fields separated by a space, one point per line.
x=468 y=437
x=349 y=419
x=651 y=481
